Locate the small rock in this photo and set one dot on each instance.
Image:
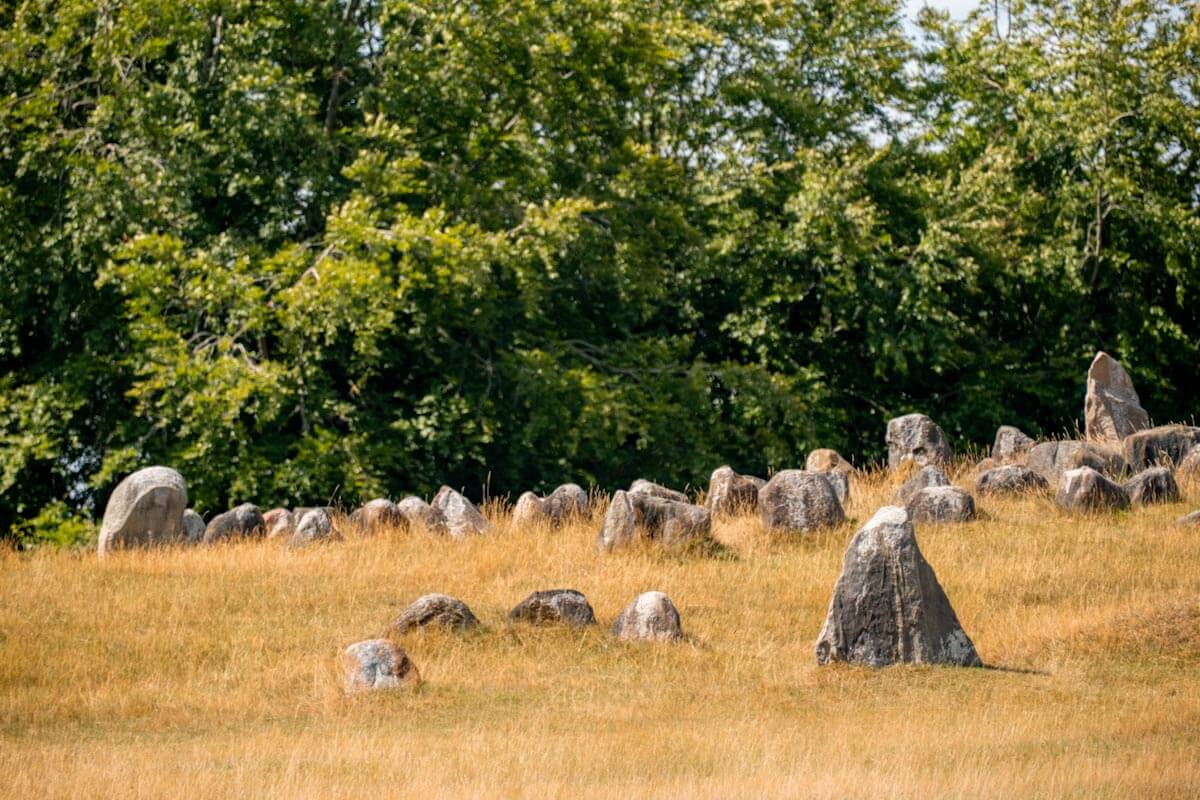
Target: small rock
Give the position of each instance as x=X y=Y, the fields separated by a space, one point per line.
x=554 y=605
x=940 y=505
x=1010 y=479
x=651 y=617
x=1111 y=409
x=440 y=610
x=1152 y=485
x=826 y=460
x=620 y=523
x=927 y=477
x=645 y=487
x=1084 y=489
x=243 y=522
x=315 y=525
x=463 y=519
x=418 y=513
x=1164 y=446
x=145 y=510
x=1191 y=520
x=279 y=523
x=377 y=664
x=795 y=501
x=731 y=493
x=1010 y=443
x=378 y=515
x=193 y=527
x=915 y=437
x=887 y=606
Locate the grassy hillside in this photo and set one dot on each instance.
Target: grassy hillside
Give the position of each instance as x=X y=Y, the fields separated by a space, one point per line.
x=211 y=670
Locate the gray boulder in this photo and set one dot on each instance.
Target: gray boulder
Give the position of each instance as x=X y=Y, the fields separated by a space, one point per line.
x=1188 y=471
x=651 y=617
x=1165 y=446
x=645 y=487
x=1011 y=443
x=928 y=476
x=667 y=522
x=554 y=605
x=1010 y=479
x=463 y=519
x=193 y=527
x=145 y=510
x=1152 y=485
x=731 y=493
x=440 y=610
x=377 y=515
x=620 y=523
x=1083 y=489
x=917 y=438
x=565 y=503
x=419 y=514
x=887 y=605
x=840 y=483
x=314 y=525
x=377 y=664
x=795 y=501
x=940 y=505
x=243 y=522
x=1111 y=409
x=1052 y=459
x=280 y=523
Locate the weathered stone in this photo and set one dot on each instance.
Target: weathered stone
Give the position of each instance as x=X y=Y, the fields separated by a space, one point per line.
x=417 y=513
x=826 y=460
x=1084 y=489
x=1011 y=443
x=193 y=527
x=620 y=523
x=377 y=664
x=463 y=519
x=145 y=510
x=840 y=482
x=645 y=487
x=1191 y=520
x=280 y=523
x=1188 y=471
x=565 y=503
x=887 y=606
x=440 y=610
x=671 y=523
x=1152 y=485
x=941 y=505
x=1166 y=445
x=529 y=510
x=927 y=477
x=315 y=525
x=1010 y=479
x=915 y=437
x=377 y=515
x=1111 y=409
x=1052 y=459
x=243 y=522
x=554 y=605
x=795 y=501
x=651 y=617
x=731 y=493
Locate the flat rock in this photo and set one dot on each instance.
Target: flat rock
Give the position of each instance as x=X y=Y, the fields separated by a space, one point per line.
x=887 y=605
x=377 y=664
x=280 y=523
x=795 y=501
x=930 y=475
x=463 y=519
x=1011 y=443
x=826 y=460
x=940 y=505
x=731 y=493
x=439 y=610
x=553 y=606
x=651 y=617
x=243 y=522
x=645 y=487
x=1111 y=409
x=145 y=510
x=193 y=527
x=1083 y=489
x=917 y=438
x=1152 y=485
x=1164 y=446
x=314 y=525
x=1010 y=479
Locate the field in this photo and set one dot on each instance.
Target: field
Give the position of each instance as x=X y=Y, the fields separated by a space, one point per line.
x=210 y=671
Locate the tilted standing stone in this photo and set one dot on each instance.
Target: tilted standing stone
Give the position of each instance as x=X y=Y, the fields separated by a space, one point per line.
x=554 y=605
x=941 y=505
x=887 y=605
x=463 y=519
x=145 y=510
x=620 y=523
x=440 y=610
x=1084 y=489
x=243 y=522
x=377 y=664
x=651 y=617
x=1010 y=479
x=730 y=493
x=915 y=437
x=928 y=476
x=1010 y=443
x=1152 y=485
x=1111 y=409
x=795 y=501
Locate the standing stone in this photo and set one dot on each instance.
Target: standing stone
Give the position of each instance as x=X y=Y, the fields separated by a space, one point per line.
x=887 y=606
x=795 y=501
x=1111 y=409
x=651 y=617
x=915 y=437
x=554 y=605
x=1166 y=445
x=1084 y=489
x=620 y=523
x=567 y=502
x=315 y=525
x=378 y=515
x=939 y=505
x=145 y=510
x=674 y=524
x=529 y=510
x=280 y=523
x=826 y=460
x=440 y=610
x=1010 y=479
x=193 y=527
x=418 y=513
x=1010 y=443
x=243 y=522
x=731 y=493
x=463 y=519
x=927 y=477
x=377 y=664
x=645 y=487
x=1152 y=485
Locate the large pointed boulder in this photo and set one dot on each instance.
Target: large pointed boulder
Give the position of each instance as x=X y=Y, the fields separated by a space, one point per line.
x=795 y=501
x=888 y=606
x=1111 y=409
x=917 y=438
x=145 y=510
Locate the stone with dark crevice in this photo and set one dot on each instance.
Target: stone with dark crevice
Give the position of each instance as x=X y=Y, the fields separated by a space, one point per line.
x=916 y=438
x=435 y=610
x=1085 y=490
x=552 y=606
x=1010 y=479
x=795 y=501
x=1151 y=486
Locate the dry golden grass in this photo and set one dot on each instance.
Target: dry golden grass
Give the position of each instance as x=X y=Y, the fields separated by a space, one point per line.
x=209 y=672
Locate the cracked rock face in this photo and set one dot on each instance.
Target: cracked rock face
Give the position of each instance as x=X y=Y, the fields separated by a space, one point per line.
x=1111 y=409
x=928 y=476
x=145 y=510
x=1153 y=485
x=553 y=606
x=917 y=438
x=651 y=617
x=731 y=493
x=887 y=605
x=439 y=610
x=244 y=522
x=377 y=664
x=1085 y=490
x=1010 y=479
x=940 y=505
x=795 y=501
x=1011 y=443
x=462 y=518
